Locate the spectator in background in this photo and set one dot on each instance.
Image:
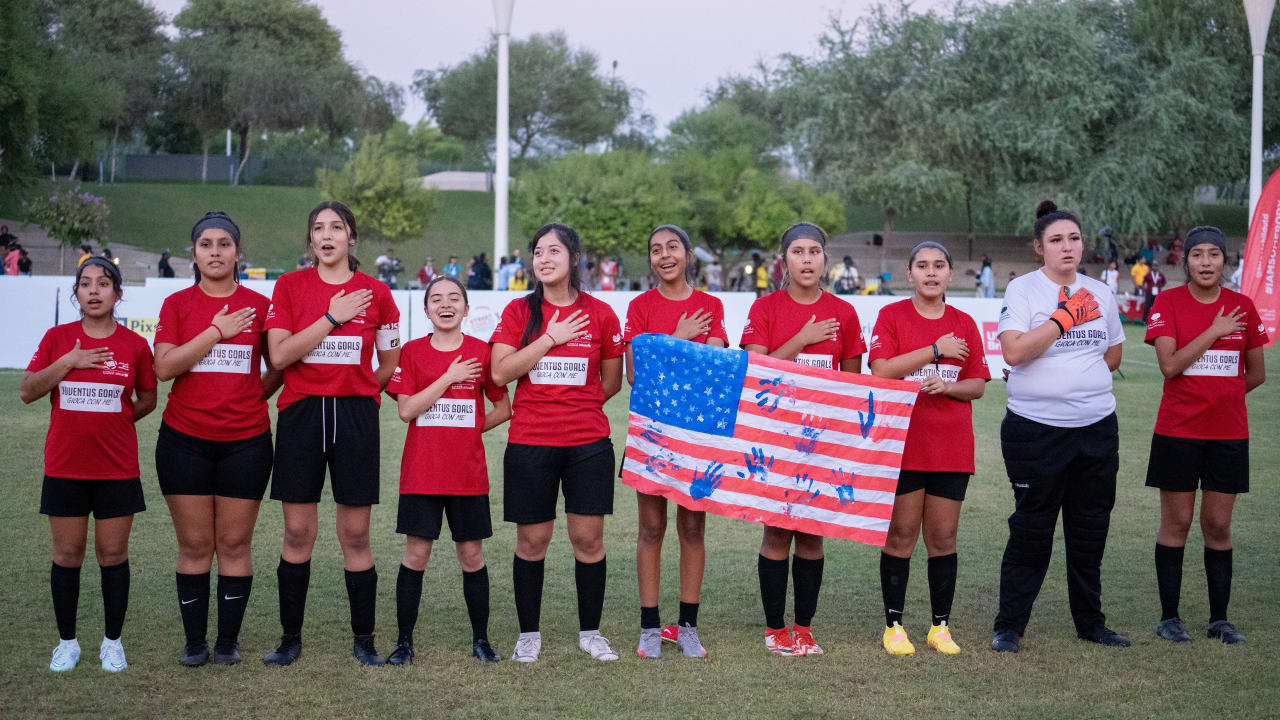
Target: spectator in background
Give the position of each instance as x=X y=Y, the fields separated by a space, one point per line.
x=11 y=259
x=776 y=271
x=485 y=272
x=106 y=253
x=986 y=279
x=24 y=262
x=1111 y=276
x=759 y=275
x=608 y=273
x=426 y=272
x=6 y=238
x=304 y=262
x=1237 y=276
x=452 y=268
x=713 y=272
x=1139 y=273
x=845 y=278
x=389 y=268
x=502 y=278
x=163 y=266
x=519 y=281
x=86 y=252
x=515 y=258
x=1152 y=284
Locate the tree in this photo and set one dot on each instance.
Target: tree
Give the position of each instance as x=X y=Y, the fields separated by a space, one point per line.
x=21 y=56
x=558 y=100
x=383 y=190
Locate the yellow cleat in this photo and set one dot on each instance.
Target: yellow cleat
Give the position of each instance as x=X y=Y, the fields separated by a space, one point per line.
x=896 y=642
x=940 y=639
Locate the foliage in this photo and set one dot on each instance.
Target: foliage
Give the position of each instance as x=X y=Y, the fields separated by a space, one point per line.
x=20 y=83
x=383 y=190
x=71 y=217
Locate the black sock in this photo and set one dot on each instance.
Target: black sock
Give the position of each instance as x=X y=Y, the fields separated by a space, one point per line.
x=293 y=579
x=1169 y=579
x=590 y=578
x=526 y=577
x=115 y=598
x=64 y=583
x=1217 y=570
x=193 y=603
x=408 y=597
x=942 y=586
x=807 y=576
x=689 y=614
x=894 y=573
x=233 y=598
x=773 y=591
x=475 y=591
x=362 y=593
x=649 y=618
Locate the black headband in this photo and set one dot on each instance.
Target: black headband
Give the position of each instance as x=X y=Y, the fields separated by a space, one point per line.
x=215 y=220
x=1206 y=234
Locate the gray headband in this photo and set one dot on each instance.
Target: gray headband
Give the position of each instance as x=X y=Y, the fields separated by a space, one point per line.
x=217 y=221
x=1206 y=234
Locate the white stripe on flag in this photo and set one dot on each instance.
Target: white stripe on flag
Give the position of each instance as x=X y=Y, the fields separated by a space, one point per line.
x=809 y=407
x=827 y=436
x=850 y=388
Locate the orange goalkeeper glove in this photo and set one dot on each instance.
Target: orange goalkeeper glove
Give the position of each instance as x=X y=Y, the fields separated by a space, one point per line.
x=1074 y=309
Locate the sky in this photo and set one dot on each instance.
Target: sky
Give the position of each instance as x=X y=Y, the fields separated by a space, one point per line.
x=673 y=50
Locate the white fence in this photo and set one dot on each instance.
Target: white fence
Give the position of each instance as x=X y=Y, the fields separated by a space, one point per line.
x=32 y=305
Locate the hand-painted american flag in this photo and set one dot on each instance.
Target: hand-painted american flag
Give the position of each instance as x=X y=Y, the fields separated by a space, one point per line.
x=765 y=440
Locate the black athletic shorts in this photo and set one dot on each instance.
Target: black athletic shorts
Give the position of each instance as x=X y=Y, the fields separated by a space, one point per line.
x=533 y=475
x=420 y=516
x=72 y=497
x=188 y=465
x=1185 y=464
x=949 y=485
x=338 y=433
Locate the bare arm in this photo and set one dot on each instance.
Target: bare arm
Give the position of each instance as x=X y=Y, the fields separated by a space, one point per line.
x=631 y=370
x=36 y=385
x=411 y=406
x=853 y=364
x=173 y=360
x=1112 y=356
x=813 y=332
x=510 y=364
x=387 y=361
x=611 y=377
x=498 y=414
x=1022 y=347
x=967 y=389
x=144 y=402
x=1174 y=360
x=287 y=348
x=1255 y=369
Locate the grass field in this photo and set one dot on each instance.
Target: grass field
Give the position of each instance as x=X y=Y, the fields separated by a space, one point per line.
x=1055 y=676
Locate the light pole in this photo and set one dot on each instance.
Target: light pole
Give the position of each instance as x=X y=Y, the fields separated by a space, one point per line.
x=502 y=142
x=1259 y=14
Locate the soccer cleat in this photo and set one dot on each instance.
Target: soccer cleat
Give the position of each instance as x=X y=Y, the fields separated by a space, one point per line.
x=1103 y=635
x=1173 y=631
x=402 y=654
x=805 y=644
x=670 y=634
x=940 y=639
x=596 y=645
x=1006 y=641
x=195 y=654
x=226 y=653
x=363 y=650
x=65 y=656
x=112 y=655
x=528 y=647
x=1226 y=632
x=690 y=643
x=483 y=651
x=650 y=644
x=779 y=641
x=290 y=649
x=895 y=641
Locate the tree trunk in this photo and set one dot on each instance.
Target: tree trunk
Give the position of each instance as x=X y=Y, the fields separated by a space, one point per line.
x=244 y=155
x=53 y=172
x=62 y=259
x=114 y=136
x=204 y=166
x=890 y=219
x=968 y=211
x=75 y=171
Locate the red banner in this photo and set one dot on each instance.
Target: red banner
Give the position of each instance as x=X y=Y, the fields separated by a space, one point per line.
x=1261 y=254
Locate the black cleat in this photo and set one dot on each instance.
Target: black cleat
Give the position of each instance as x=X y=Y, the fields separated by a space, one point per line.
x=1226 y=632
x=363 y=650
x=1006 y=641
x=402 y=655
x=483 y=651
x=1173 y=631
x=226 y=653
x=1104 y=635
x=290 y=649
x=195 y=654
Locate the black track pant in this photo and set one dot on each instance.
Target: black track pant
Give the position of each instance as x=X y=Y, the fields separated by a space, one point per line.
x=1052 y=468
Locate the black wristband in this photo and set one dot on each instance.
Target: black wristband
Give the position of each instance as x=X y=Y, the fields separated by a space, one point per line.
x=1061 y=330
x=936 y=354
x=329 y=317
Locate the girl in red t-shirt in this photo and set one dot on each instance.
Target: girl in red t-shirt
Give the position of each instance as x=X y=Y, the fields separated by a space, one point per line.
x=213 y=454
x=100 y=381
x=1209 y=343
x=803 y=323
x=323 y=327
x=674 y=308
x=565 y=349
x=440 y=386
x=925 y=340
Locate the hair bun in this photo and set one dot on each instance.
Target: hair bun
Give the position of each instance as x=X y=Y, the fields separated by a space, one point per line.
x=1045 y=207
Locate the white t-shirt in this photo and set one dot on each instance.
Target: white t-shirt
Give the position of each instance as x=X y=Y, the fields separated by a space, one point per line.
x=1069 y=385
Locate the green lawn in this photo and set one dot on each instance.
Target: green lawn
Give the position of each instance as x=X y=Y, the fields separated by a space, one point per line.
x=1055 y=676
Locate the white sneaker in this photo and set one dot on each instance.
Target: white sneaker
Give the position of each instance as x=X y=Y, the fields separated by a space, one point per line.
x=112 y=655
x=65 y=656
x=528 y=647
x=591 y=641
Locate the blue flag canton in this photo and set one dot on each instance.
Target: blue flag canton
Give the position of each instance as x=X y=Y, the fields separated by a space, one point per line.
x=686 y=384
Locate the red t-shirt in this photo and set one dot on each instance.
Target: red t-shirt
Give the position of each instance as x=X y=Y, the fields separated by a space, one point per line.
x=1206 y=400
x=650 y=312
x=560 y=402
x=940 y=437
x=443 y=450
x=342 y=364
x=91 y=433
x=776 y=318
x=221 y=397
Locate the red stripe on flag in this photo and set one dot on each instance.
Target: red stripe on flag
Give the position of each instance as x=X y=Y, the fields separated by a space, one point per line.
x=781 y=414
x=850 y=402
x=789 y=366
